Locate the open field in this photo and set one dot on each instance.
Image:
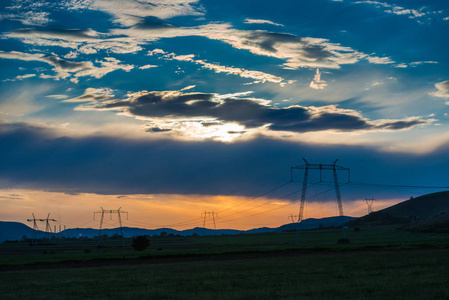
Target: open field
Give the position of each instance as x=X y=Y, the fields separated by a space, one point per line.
x=394 y=274
x=383 y=237
x=379 y=263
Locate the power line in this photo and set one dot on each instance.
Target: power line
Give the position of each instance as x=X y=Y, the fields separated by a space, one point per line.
x=263 y=204
x=261 y=195
x=366 y=184
x=276 y=208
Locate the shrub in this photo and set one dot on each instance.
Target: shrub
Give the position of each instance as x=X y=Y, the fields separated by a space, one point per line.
x=343 y=241
x=140 y=242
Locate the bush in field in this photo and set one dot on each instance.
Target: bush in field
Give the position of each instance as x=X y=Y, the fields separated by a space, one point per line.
x=140 y=242
x=343 y=241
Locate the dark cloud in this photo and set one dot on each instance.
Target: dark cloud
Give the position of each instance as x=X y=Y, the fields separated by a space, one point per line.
x=157 y=129
x=325 y=121
x=57 y=32
x=36 y=159
x=248 y=112
x=271 y=42
x=398 y=125
x=64 y=64
x=152 y=23
x=267 y=40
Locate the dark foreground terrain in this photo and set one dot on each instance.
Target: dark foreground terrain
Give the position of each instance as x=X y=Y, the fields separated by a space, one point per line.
x=378 y=263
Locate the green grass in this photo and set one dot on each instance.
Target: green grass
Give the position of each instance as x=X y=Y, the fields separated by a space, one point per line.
x=379 y=263
x=398 y=274
x=384 y=237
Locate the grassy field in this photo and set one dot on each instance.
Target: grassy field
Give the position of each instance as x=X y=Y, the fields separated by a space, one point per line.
x=379 y=263
x=393 y=274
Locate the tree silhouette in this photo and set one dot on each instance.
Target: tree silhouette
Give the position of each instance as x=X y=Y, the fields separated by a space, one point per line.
x=140 y=242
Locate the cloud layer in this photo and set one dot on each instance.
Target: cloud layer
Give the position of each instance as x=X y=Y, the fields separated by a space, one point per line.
x=170 y=108
x=38 y=158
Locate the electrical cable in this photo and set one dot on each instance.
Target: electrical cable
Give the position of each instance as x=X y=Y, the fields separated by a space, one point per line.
x=261 y=195
x=276 y=208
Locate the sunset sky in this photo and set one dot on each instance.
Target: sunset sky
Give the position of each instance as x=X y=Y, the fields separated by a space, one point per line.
x=169 y=109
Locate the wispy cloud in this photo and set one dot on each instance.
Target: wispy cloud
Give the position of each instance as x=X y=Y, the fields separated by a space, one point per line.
x=258 y=76
x=399 y=10
x=259 y=21
x=132 y=12
x=28 y=12
x=68 y=69
x=21 y=77
x=295 y=51
x=148 y=67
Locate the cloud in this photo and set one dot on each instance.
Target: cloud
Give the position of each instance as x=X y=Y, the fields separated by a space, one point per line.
x=28 y=13
x=94 y=95
x=132 y=12
x=21 y=77
x=399 y=10
x=442 y=89
x=380 y=60
x=126 y=13
x=417 y=63
x=198 y=113
x=258 y=76
x=295 y=51
x=86 y=41
x=148 y=67
x=41 y=159
x=317 y=83
x=259 y=21
x=67 y=69
x=298 y=52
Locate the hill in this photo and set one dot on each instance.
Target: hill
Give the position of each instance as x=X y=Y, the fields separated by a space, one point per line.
x=423 y=207
x=316 y=223
x=430 y=209
x=15 y=231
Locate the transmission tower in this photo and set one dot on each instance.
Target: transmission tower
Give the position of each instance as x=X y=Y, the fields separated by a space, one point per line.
x=370 y=202
x=322 y=167
x=35 y=228
x=293 y=218
x=209 y=214
x=110 y=212
x=47 y=225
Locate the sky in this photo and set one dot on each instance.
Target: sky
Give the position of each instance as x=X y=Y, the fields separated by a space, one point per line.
x=170 y=109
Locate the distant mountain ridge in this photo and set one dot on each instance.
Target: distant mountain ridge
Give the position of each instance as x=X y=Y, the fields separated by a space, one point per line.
x=15 y=231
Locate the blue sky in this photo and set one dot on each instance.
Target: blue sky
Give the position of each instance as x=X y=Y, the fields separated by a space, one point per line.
x=219 y=98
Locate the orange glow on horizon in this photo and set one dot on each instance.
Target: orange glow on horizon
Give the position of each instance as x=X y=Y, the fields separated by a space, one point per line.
x=163 y=210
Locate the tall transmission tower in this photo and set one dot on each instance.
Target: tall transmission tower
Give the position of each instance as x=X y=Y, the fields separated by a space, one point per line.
x=111 y=212
x=209 y=214
x=370 y=202
x=47 y=225
x=35 y=228
x=321 y=167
